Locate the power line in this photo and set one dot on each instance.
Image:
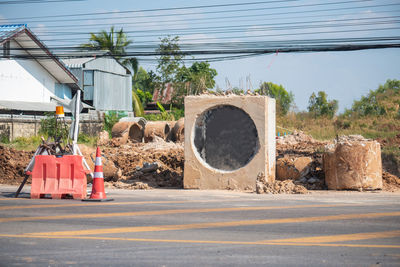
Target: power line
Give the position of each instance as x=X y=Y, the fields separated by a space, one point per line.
x=37 y=1
x=211 y=20
x=227 y=28
x=206 y=12
x=155 y=9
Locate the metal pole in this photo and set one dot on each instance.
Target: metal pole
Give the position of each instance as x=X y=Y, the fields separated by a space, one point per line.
x=76 y=121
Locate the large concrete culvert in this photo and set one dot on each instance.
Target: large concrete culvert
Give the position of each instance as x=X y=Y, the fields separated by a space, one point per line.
x=229 y=140
x=226 y=137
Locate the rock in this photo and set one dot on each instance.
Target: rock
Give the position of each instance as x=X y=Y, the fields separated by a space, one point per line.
x=292 y=168
x=355 y=164
x=104 y=138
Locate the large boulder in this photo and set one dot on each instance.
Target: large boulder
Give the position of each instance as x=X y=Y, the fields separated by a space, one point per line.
x=353 y=164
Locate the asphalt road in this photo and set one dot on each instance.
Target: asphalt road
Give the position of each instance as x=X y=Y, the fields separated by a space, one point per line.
x=202 y=228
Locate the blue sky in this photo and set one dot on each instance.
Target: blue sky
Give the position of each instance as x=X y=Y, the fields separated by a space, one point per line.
x=345 y=76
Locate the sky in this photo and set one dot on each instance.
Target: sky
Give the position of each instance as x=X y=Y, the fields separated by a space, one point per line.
x=344 y=76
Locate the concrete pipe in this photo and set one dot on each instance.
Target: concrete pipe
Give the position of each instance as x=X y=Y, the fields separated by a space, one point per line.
x=136 y=132
x=178 y=132
x=171 y=125
x=354 y=165
x=156 y=128
x=120 y=129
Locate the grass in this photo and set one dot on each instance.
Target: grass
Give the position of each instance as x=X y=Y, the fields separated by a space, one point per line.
x=325 y=128
x=31 y=143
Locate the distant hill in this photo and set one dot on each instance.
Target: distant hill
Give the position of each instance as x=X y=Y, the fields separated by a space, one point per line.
x=383 y=101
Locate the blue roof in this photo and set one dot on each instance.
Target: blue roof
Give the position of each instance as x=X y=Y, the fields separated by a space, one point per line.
x=8 y=30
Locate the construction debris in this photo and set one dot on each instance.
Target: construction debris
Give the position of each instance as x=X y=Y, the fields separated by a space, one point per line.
x=132 y=165
x=293 y=168
x=278 y=187
x=354 y=164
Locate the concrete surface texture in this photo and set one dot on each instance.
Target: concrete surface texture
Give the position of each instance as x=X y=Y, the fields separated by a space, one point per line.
x=201 y=228
x=354 y=164
x=229 y=140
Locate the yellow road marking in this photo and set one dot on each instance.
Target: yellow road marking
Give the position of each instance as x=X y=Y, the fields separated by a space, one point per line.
x=339 y=238
x=201 y=241
x=216 y=224
x=161 y=212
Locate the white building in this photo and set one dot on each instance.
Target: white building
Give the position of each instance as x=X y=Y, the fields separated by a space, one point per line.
x=31 y=77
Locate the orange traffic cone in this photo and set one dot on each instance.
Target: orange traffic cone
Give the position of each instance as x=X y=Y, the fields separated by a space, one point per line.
x=98 y=193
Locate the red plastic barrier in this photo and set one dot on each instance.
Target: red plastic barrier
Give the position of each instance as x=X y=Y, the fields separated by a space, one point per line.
x=58 y=177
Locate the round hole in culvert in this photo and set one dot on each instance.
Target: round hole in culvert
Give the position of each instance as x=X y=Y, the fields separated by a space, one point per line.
x=136 y=132
x=226 y=137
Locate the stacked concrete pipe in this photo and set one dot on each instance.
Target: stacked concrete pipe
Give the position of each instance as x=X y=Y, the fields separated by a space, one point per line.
x=156 y=128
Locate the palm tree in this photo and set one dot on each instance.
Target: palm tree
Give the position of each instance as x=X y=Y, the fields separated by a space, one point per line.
x=114 y=42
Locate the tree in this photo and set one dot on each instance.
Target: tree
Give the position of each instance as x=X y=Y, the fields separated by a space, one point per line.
x=170 y=59
x=196 y=79
x=284 y=99
x=320 y=106
x=114 y=42
x=378 y=102
x=185 y=80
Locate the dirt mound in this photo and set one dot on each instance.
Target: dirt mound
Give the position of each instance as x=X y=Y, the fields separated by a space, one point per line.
x=391 y=182
x=278 y=187
x=13 y=164
x=299 y=145
x=130 y=158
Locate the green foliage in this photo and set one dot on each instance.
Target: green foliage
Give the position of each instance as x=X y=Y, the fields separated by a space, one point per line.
x=144 y=81
x=178 y=113
x=166 y=116
x=26 y=143
x=145 y=97
x=283 y=98
x=195 y=80
x=318 y=105
x=170 y=59
x=114 y=42
x=111 y=118
x=48 y=126
x=383 y=101
x=137 y=105
x=87 y=139
x=160 y=107
x=237 y=91
x=4 y=139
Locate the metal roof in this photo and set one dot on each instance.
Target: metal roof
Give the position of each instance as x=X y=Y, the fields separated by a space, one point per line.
x=27 y=40
x=77 y=62
x=8 y=30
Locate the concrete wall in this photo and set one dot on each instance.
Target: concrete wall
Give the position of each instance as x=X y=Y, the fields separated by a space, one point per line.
x=13 y=126
x=230 y=170
x=25 y=80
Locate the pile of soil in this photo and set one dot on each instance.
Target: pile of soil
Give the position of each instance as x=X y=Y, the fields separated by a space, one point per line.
x=130 y=158
x=278 y=187
x=299 y=145
x=13 y=164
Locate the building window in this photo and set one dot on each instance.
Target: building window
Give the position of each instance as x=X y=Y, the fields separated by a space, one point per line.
x=6 y=49
x=88 y=85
